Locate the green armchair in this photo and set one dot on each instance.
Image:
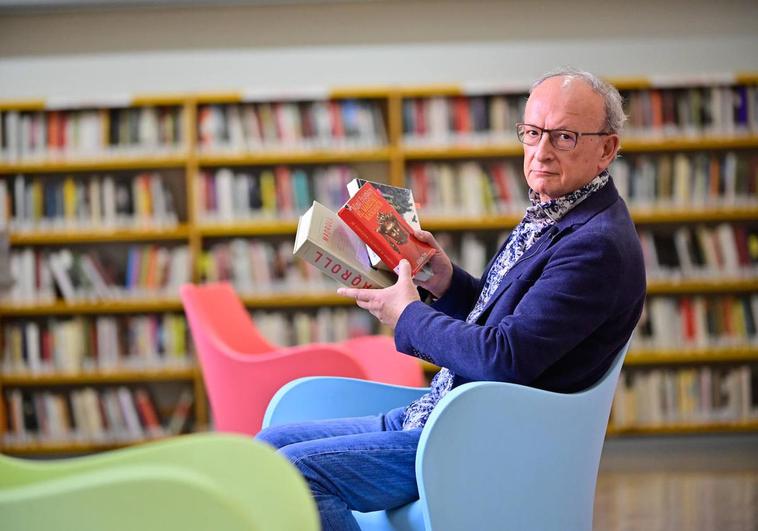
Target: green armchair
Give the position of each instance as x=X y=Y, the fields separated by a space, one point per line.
x=188 y=483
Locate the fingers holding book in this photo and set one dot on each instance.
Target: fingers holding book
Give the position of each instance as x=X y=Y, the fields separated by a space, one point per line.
x=387 y=304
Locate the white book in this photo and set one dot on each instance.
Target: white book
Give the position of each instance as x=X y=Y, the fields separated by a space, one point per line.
x=12 y=135
x=326 y=242
x=473 y=254
x=60 y=262
x=129 y=413
x=109 y=201
x=728 y=244
x=181 y=413
x=235 y=128
x=252 y=128
x=34 y=361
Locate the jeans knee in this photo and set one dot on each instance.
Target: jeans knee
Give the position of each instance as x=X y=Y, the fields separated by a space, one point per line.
x=271 y=436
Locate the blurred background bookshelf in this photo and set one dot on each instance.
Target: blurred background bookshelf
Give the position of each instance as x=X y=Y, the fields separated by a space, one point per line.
x=133 y=176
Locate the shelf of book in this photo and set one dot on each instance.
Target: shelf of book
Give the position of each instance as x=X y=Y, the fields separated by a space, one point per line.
x=391 y=146
x=462 y=150
x=296 y=300
x=714 y=285
x=100 y=163
x=674 y=214
x=320 y=156
x=670 y=143
x=61 y=236
x=691 y=356
x=458 y=223
x=142 y=305
x=30 y=449
x=262 y=227
x=100 y=377
x=685 y=428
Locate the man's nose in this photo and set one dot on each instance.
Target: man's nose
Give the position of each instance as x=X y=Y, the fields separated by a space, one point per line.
x=544 y=149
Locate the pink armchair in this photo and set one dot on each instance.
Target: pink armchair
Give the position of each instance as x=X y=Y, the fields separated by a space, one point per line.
x=242 y=370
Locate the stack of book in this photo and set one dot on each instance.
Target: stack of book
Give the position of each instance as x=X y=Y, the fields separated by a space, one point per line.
x=364 y=242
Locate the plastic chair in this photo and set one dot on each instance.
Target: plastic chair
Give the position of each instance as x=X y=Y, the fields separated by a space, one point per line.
x=189 y=483
x=242 y=370
x=492 y=456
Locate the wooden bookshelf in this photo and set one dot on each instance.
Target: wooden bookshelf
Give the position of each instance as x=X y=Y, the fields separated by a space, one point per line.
x=296 y=157
x=102 y=163
x=390 y=161
x=101 y=377
x=31 y=449
x=685 y=428
x=691 y=357
x=68 y=236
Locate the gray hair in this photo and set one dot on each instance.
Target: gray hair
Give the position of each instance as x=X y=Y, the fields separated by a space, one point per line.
x=614 y=110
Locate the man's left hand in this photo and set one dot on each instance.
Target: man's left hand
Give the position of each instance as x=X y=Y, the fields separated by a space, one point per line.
x=387 y=304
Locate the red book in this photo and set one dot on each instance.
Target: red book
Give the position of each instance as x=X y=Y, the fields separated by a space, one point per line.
x=380 y=226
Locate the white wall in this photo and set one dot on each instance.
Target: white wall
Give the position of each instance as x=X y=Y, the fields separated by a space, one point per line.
x=95 y=53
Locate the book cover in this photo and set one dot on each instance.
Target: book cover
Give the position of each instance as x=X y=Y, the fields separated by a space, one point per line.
x=400 y=198
x=326 y=242
x=383 y=229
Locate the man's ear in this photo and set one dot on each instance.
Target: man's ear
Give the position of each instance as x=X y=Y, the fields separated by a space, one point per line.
x=611 y=146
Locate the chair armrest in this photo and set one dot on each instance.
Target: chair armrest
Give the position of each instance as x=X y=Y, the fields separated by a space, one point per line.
x=512 y=438
x=327 y=397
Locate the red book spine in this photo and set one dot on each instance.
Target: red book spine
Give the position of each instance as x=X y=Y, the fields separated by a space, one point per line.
x=379 y=225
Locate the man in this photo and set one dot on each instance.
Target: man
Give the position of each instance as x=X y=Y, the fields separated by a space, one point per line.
x=556 y=303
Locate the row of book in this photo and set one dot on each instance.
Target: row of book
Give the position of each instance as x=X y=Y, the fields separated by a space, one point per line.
x=287 y=125
x=34 y=136
x=698 y=322
x=283 y=192
x=88 y=415
x=709 y=110
x=38 y=203
x=260 y=267
x=470 y=189
x=701 y=252
x=321 y=325
x=709 y=394
x=134 y=271
x=461 y=119
x=95 y=344
x=698 y=111
x=687 y=180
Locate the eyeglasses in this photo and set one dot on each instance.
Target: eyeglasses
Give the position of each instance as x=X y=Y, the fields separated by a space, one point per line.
x=562 y=139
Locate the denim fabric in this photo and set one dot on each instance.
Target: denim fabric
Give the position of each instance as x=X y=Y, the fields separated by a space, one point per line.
x=361 y=463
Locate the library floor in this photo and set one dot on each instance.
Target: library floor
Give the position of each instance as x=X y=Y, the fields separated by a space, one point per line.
x=704 y=483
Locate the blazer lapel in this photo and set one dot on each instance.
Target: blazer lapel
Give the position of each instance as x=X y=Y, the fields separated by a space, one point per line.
x=542 y=243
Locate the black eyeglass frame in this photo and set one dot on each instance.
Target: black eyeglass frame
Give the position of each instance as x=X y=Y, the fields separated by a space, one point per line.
x=550 y=136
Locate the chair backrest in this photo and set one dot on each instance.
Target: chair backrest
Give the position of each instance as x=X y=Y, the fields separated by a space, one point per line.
x=188 y=483
x=532 y=456
x=215 y=312
x=240 y=369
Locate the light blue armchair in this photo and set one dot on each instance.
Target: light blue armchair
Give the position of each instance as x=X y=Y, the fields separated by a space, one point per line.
x=493 y=456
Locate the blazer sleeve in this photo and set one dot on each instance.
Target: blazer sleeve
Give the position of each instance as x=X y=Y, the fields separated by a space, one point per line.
x=460 y=297
x=573 y=296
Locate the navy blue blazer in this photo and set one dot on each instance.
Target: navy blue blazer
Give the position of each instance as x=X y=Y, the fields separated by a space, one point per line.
x=559 y=315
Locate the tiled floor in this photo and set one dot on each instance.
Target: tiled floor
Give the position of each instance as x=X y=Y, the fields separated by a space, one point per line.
x=692 y=484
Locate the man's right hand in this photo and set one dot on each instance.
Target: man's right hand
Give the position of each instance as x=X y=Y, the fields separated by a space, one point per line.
x=442 y=267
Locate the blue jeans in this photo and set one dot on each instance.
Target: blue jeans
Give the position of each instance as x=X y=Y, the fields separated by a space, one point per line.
x=362 y=463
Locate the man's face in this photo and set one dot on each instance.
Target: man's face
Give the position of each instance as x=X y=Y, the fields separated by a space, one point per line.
x=562 y=103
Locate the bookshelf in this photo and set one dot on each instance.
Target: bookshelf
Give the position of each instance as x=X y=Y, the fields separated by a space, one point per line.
x=227 y=174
